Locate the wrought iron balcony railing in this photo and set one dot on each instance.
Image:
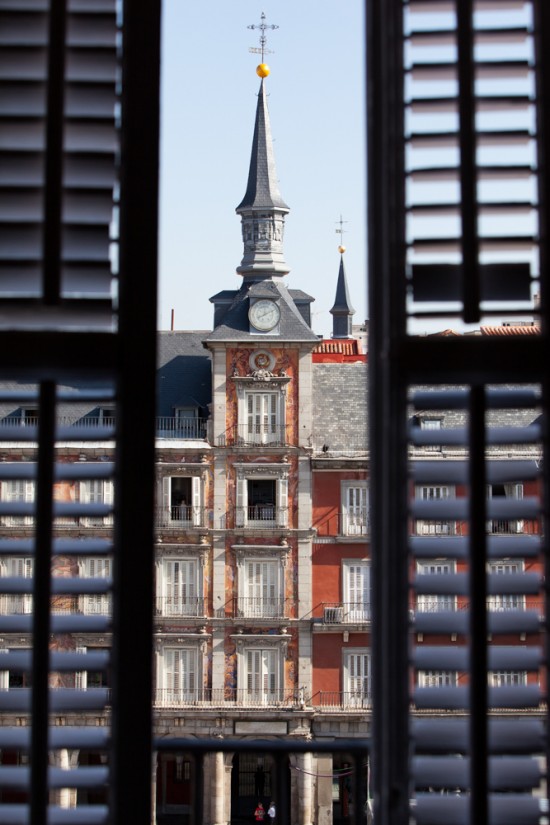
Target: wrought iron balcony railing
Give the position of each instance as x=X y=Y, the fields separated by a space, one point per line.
x=260 y=608
x=350 y=523
x=225 y=698
x=175 y=606
x=334 y=700
x=180 y=517
x=346 y=613
x=275 y=435
x=166 y=426
x=265 y=516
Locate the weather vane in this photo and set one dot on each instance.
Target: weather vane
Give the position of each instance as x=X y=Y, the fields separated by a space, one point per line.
x=340 y=232
x=262 y=26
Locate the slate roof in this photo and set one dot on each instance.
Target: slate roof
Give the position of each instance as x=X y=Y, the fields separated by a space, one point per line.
x=262 y=191
x=184 y=372
x=342 y=302
x=184 y=379
x=235 y=325
x=339 y=411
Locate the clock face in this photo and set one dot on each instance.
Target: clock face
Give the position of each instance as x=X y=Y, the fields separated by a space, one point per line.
x=264 y=314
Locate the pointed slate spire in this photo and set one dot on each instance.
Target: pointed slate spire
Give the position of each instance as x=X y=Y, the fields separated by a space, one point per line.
x=262 y=209
x=342 y=310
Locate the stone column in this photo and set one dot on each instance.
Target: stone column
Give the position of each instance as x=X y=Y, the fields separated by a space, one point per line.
x=218 y=789
x=305 y=797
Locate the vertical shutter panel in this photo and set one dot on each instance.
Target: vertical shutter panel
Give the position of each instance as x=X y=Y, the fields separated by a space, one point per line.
x=242 y=502
x=458 y=186
x=282 y=501
x=196 y=483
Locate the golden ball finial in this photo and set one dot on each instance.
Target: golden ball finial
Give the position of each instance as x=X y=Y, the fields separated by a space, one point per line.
x=341 y=249
x=262 y=70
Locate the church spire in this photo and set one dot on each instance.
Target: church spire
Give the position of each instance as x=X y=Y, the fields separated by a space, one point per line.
x=342 y=310
x=262 y=209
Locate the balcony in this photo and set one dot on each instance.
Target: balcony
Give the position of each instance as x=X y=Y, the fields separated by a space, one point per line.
x=329 y=700
x=258 y=608
x=346 y=613
x=262 y=516
x=275 y=435
x=166 y=426
x=181 y=517
x=180 y=607
x=353 y=524
x=225 y=698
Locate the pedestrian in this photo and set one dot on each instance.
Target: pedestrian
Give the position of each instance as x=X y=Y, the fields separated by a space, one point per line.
x=271 y=812
x=259 y=813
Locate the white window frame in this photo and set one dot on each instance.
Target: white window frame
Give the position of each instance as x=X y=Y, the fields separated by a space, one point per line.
x=95 y=568
x=434 y=492
x=280 y=512
x=180 y=674
x=97 y=491
x=17 y=490
x=356 y=583
x=435 y=603
x=179 y=588
x=191 y=514
x=512 y=491
x=261 y=415
x=260 y=583
x=436 y=678
x=16 y=604
x=355 y=507
x=259 y=676
x=507 y=678
x=500 y=602
x=357 y=677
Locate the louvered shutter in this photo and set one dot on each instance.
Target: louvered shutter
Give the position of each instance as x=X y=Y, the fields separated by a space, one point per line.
x=78 y=84
x=167 y=510
x=196 y=485
x=282 y=502
x=358 y=596
x=242 y=502
x=458 y=194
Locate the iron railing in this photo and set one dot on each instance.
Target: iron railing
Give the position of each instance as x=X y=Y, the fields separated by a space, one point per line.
x=265 y=516
x=180 y=607
x=346 y=613
x=276 y=435
x=350 y=523
x=260 y=608
x=180 y=517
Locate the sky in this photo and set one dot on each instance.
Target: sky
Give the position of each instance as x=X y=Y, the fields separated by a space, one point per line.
x=316 y=104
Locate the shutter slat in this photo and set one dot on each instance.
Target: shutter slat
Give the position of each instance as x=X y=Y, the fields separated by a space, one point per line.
x=501 y=657
x=19 y=738
x=448 y=622
x=505 y=773
x=444 y=697
x=456 y=472
x=85 y=777
x=508 y=809
x=497 y=583
x=457 y=509
x=506 y=736
x=13 y=814
x=456 y=547
x=62 y=699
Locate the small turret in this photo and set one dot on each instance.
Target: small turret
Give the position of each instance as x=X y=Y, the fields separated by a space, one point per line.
x=342 y=311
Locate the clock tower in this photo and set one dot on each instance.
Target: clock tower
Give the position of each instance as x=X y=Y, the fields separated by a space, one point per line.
x=261 y=347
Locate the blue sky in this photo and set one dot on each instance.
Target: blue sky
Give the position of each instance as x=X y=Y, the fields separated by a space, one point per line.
x=209 y=88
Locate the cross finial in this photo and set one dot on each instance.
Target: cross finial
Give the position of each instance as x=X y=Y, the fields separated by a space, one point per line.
x=262 y=26
x=340 y=232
